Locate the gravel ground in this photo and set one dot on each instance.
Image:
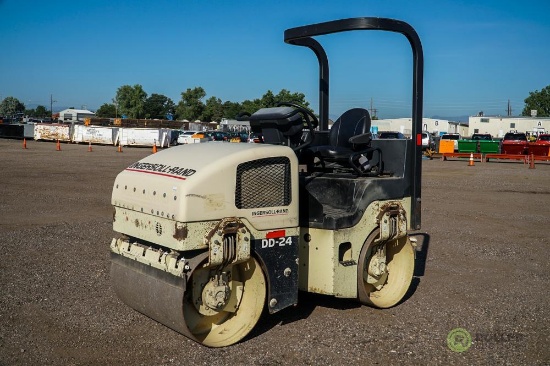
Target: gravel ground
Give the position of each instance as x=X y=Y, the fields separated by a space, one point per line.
x=482 y=265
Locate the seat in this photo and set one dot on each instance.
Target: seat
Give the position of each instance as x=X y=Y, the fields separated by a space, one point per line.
x=349 y=146
x=352 y=123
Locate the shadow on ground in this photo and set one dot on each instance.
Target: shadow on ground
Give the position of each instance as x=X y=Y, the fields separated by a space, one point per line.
x=307 y=302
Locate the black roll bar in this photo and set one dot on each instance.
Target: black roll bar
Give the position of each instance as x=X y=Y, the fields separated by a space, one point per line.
x=302 y=36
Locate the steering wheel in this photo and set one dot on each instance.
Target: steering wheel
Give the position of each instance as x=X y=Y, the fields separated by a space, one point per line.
x=311 y=120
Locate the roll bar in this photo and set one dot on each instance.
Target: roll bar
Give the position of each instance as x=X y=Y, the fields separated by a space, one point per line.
x=302 y=36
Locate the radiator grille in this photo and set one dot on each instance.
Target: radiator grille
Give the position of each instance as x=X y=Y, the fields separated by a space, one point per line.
x=263 y=183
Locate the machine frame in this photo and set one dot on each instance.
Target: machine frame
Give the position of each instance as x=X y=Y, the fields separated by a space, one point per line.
x=212 y=233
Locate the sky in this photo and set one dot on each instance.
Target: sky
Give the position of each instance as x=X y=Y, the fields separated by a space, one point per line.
x=478 y=55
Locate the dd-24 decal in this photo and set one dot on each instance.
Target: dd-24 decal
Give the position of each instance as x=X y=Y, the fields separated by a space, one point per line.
x=278 y=242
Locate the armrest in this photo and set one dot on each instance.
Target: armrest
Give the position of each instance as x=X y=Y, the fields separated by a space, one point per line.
x=361 y=140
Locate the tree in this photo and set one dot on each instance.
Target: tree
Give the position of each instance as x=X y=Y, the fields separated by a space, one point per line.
x=131 y=100
x=268 y=100
x=41 y=111
x=213 y=110
x=107 y=110
x=271 y=100
x=231 y=109
x=190 y=107
x=539 y=101
x=251 y=106
x=11 y=106
x=158 y=106
x=286 y=96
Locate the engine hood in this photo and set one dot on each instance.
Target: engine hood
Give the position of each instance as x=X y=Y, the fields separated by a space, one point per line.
x=201 y=182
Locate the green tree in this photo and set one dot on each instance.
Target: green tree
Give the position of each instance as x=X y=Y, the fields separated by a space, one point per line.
x=107 y=110
x=286 y=96
x=231 y=109
x=158 y=106
x=191 y=106
x=131 y=100
x=213 y=110
x=271 y=100
x=268 y=100
x=10 y=106
x=251 y=106
x=539 y=101
x=41 y=111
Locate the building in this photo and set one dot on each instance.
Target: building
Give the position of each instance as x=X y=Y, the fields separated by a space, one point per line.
x=232 y=125
x=436 y=127
x=75 y=115
x=498 y=125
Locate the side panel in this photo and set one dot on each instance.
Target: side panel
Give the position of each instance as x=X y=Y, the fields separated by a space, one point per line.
x=328 y=261
x=317 y=261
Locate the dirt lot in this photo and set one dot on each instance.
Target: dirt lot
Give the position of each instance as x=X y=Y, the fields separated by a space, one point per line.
x=483 y=266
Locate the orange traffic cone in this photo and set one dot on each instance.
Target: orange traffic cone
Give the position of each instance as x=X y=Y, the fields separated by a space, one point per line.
x=58 y=146
x=90 y=146
x=24 y=143
x=155 y=147
x=471 y=163
x=532 y=162
x=119 y=147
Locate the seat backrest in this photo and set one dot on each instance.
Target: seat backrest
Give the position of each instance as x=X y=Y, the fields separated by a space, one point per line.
x=353 y=122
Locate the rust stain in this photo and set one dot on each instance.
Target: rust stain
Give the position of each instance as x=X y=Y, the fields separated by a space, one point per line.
x=52 y=132
x=227 y=225
x=136 y=222
x=180 y=232
x=392 y=207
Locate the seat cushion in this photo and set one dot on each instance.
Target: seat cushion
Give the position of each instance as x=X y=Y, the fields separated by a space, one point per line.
x=331 y=152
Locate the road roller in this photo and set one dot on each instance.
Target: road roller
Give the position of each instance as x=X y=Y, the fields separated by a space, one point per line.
x=211 y=236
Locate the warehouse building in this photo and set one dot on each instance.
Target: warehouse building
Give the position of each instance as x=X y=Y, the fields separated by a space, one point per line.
x=498 y=125
x=436 y=127
x=75 y=115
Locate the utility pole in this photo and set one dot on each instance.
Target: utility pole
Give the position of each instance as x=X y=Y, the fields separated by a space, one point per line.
x=115 y=102
x=51 y=105
x=372 y=110
x=509 y=109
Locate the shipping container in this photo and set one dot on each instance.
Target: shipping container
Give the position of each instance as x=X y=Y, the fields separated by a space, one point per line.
x=52 y=131
x=143 y=137
x=95 y=134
